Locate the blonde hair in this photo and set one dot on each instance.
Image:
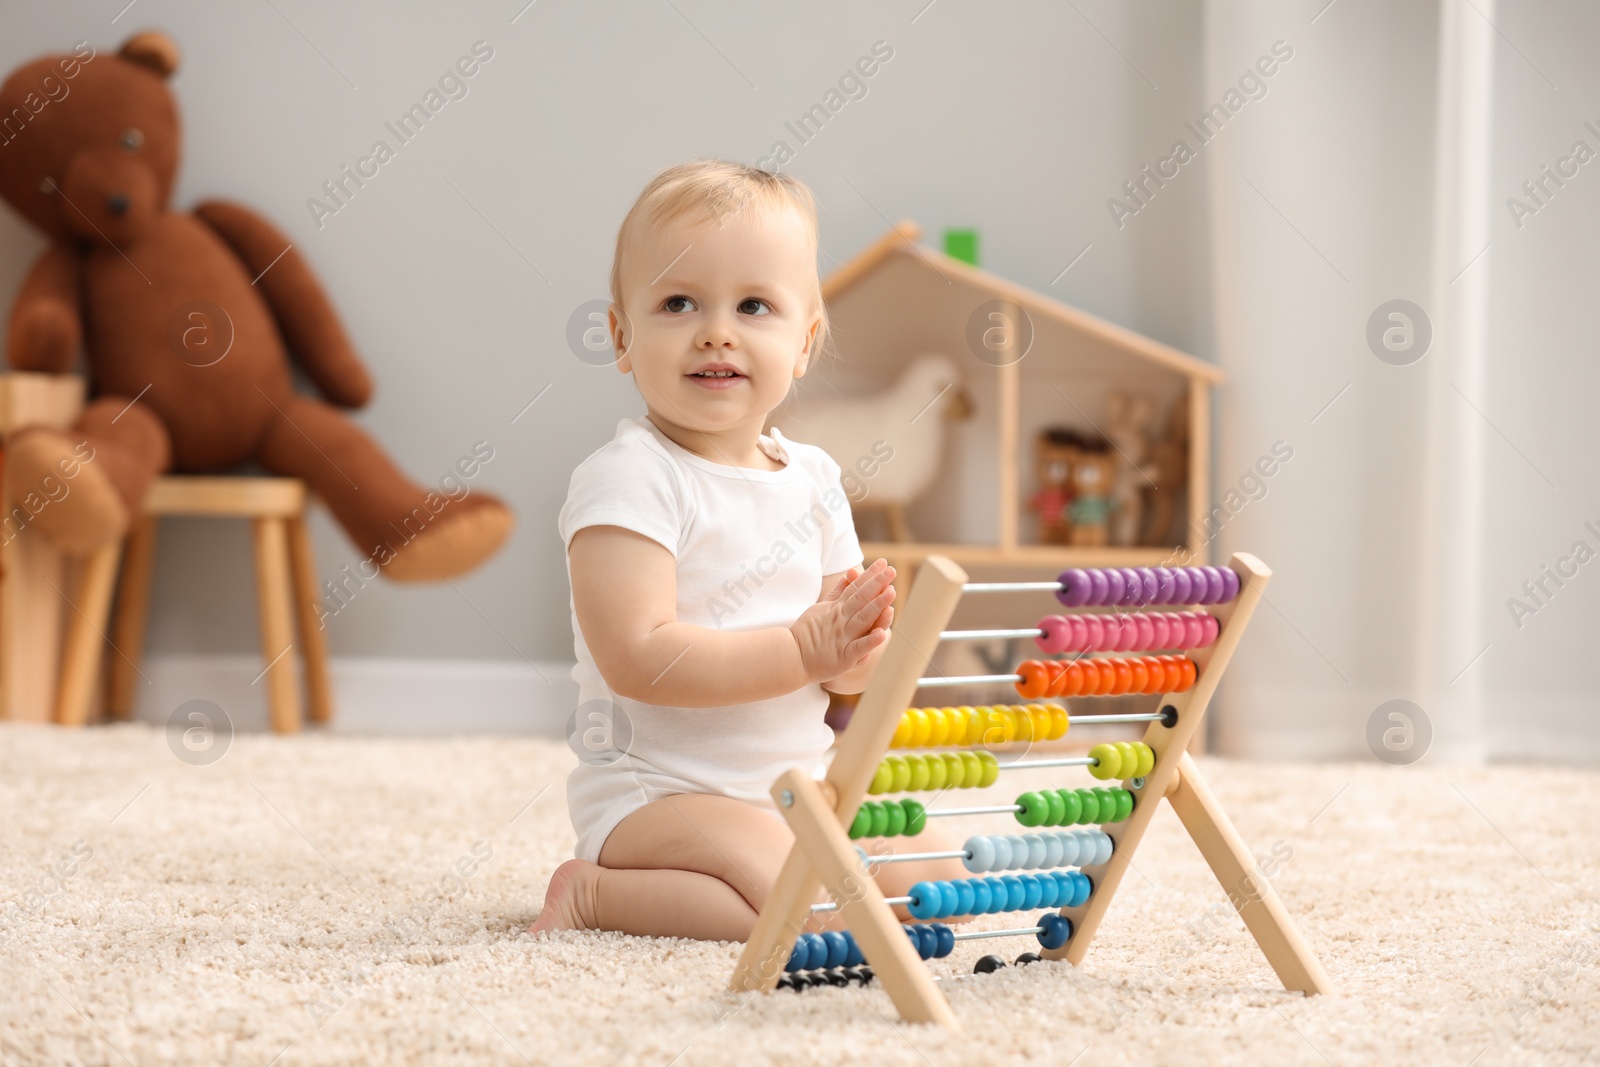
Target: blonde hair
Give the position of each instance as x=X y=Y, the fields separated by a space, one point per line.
x=718 y=188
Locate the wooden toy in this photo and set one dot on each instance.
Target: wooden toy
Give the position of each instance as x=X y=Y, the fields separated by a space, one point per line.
x=1080 y=870
x=1126 y=423
x=1092 y=473
x=1169 y=476
x=1054 y=450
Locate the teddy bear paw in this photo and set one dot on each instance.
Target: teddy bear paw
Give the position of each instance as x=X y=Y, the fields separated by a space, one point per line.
x=452 y=544
x=73 y=502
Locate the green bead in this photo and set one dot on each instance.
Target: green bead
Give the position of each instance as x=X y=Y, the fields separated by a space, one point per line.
x=902 y=774
x=974 y=769
x=955 y=772
x=1108 y=803
x=882 y=778
x=991 y=769
x=862 y=822
x=1071 y=807
x=919 y=773
x=1057 y=808
x=1124 y=805
x=1091 y=806
x=1034 y=809
x=916 y=817
x=880 y=818
x=896 y=820
x=938 y=772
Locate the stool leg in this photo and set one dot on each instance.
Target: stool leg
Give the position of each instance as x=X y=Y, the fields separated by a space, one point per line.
x=313 y=639
x=80 y=660
x=133 y=608
x=277 y=630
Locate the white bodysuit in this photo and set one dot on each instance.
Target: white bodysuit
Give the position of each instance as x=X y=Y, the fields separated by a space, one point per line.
x=752 y=547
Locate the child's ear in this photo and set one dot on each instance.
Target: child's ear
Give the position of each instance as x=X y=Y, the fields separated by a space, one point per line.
x=621 y=334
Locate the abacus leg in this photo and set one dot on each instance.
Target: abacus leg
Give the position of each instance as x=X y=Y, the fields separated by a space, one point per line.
x=1263 y=913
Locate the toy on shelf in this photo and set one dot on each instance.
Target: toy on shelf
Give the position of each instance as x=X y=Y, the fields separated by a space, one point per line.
x=1055 y=450
x=1126 y=426
x=1168 y=466
x=1180 y=654
x=882 y=440
x=1092 y=472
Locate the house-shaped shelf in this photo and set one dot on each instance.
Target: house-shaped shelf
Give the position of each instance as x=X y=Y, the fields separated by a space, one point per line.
x=898 y=299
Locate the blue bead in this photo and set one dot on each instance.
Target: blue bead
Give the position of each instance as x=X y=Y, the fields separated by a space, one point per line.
x=1055 y=890
x=819 y=952
x=838 y=948
x=798 y=955
x=999 y=893
x=853 y=957
x=952 y=900
x=927 y=942
x=947 y=941
x=1035 y=892
x=1015 y=892
x=964 y=897
x=1080 y=889
x=1054 y=930
x=925 y=900
x=981 y=897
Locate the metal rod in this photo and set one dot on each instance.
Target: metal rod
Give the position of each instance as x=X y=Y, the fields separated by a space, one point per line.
x=1154 y=716
x=998 y=933
x=907 y=857
x=1010 y=587
x=967 y=679
x=891 y=901
x=981 y=635
x=998 y=809
x=1070 y=761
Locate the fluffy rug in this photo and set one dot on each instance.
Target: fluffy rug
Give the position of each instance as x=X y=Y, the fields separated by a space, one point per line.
x=319 y=900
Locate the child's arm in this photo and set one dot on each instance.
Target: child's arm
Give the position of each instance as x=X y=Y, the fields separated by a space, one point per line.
x=625 y=594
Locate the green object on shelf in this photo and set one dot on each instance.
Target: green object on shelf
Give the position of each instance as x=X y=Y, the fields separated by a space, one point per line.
x=962 y=245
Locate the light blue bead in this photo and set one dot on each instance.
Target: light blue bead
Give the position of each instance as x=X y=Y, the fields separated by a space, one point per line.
x=1015 y=892
x=925 y=900
x=981 y=897
x=1080 y=889
x=1035 y=892
x=951 y=900
x=980 y=855
x=999 y=893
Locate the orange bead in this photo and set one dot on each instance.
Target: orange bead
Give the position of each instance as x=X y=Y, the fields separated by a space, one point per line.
x=1035 y=681
x=1174 y=674
x=1072 y=679
x=1190 y=673
x=1122 y=677
x=1058 y=676
x=1139 y=668
x=1103 y=677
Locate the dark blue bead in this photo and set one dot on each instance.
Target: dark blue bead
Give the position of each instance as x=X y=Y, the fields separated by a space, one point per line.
x=853 y=958
x=927 y=941
x=1053 y=930
x=838 y=948
x=947 y=940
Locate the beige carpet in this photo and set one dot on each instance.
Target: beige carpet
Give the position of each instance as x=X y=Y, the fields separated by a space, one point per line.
x=251 y=912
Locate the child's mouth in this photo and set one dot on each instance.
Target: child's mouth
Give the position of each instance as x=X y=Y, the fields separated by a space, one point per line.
x=716 y=379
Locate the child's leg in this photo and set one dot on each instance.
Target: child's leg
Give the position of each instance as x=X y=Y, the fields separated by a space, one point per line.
x=896 y=879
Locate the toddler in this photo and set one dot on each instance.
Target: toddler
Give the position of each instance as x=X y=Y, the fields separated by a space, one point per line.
x=716 y=578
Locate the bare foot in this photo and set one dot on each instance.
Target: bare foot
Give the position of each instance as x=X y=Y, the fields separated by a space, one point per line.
x=569 y=902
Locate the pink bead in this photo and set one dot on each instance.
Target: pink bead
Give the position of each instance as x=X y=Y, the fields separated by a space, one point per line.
x=1057 y=633
x=1160 y=632
x=1145 y=637
x=1209 y=628
x=1094 y=633
x=1128 y=635
x=1193 y=629
x=1079 y=641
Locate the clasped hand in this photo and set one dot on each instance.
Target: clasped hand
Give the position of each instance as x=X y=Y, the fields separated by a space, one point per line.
x=839 y=632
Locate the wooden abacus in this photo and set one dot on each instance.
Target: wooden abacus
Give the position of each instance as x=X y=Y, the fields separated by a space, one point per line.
x=826 y=814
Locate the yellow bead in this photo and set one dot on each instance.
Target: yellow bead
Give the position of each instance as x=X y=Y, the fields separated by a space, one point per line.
x=939 y=726
x=990 y=770
x=902 y=733
x=919 y=773
x=1110 y=759
x=974 y=727
x=958 y=726
x=1147 y=759
x=1059 y=724
x=1130 y=759
x=919 y=728
x=1022 y=724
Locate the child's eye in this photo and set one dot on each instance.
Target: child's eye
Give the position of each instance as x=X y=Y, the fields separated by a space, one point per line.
x=753 y=300
x=671 y=300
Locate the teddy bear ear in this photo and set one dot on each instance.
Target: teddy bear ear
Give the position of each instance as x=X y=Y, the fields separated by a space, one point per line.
x=153 y=50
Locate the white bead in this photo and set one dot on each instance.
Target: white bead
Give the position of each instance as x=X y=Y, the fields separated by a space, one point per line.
x=1070 y=848
x=1102 y=848
x=1036 y=851
x=1002 y=853
x=980 y=854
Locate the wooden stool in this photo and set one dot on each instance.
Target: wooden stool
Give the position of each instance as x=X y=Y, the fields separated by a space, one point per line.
x=285 y=574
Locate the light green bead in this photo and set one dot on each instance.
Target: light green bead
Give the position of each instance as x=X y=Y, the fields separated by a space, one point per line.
x=919 y=773
x=881 y=778
x=974 y=769
x=938 y=773
x=902 y=774
x=955 y=772
x=991 y=769
x=1110 y=760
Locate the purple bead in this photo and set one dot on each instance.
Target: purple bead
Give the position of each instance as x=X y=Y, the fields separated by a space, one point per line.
x=1097 y=587
x=1148 y=576
x=1074 y=591
x=1182 y=586
x=1132 y=587
x=1230 y=587
x=1114 y=586
x=1166 y=586
x=1219 y=584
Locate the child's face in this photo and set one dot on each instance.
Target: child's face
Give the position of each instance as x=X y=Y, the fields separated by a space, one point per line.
x=738 y=294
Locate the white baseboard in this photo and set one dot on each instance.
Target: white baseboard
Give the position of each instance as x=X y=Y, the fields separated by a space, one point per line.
x=377 y=696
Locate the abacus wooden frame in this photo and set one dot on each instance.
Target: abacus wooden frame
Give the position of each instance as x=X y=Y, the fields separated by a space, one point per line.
x=819 y=813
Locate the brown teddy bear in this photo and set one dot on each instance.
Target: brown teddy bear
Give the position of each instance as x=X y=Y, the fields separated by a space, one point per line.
x=189 y=321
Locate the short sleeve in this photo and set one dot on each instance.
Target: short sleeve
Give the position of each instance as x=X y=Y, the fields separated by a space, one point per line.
x=845 y=551
x=629 y=485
